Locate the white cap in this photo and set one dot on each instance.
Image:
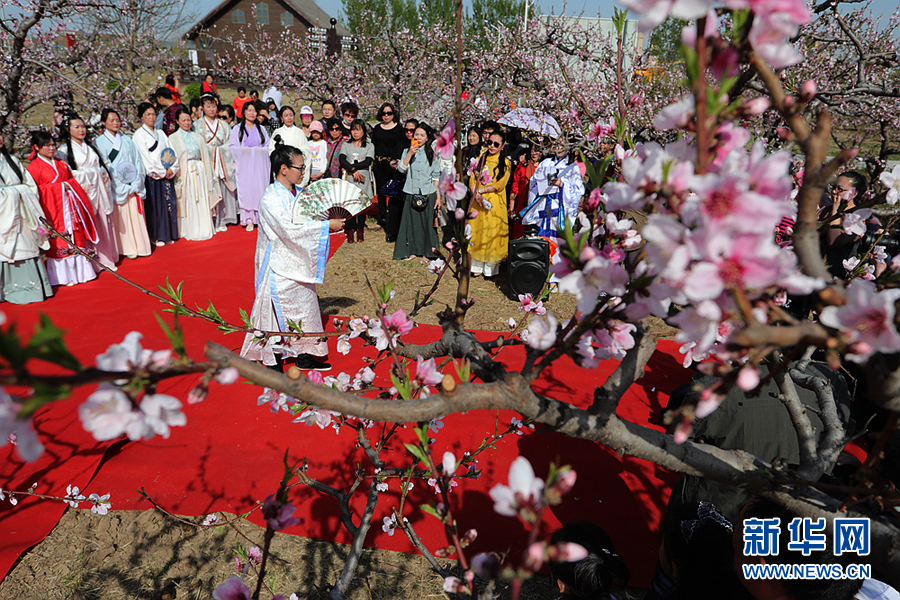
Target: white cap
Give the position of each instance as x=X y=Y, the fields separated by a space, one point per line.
x=306 y=110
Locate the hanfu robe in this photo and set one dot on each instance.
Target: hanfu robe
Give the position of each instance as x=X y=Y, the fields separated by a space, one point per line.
x=294 y=136
x=490 y=229
x=217 y=135
x=160 y=203
x=290 y=261
x=23 y=278
x=128 y=191
x=70 y=212
x=90 y=172
x=195 y=187
x=252 y=167
x=549 y=206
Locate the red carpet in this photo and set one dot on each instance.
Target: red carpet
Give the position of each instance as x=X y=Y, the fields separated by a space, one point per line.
x=228 y=456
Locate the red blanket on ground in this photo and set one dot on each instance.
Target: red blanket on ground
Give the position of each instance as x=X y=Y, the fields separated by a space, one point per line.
x=228 y=457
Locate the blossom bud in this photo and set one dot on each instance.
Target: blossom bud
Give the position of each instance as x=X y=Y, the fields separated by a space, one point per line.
x=459 y=214
x=198 y=394
x=635 y=100
x=593 y=201
x=808 y=91
x=469 y=536
x=445 y=552
x=565 y=481
x=227 y=376
x=755 y=107
x=790 y=102
x=534 y=558
x=683 y=431
x=784 y=133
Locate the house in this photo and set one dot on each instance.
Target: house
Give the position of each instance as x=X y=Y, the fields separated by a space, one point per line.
x=216 y=34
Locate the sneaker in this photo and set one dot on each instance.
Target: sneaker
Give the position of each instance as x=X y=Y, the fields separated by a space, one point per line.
x=222 y=228
x=306 y=362
x=160 y=243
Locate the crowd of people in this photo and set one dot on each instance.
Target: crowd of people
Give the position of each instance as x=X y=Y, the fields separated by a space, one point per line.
x=191 y=170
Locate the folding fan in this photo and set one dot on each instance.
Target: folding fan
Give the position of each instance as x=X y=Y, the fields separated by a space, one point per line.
x=329 y=199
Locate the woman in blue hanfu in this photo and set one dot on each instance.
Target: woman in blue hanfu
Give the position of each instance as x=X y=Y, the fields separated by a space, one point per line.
x=554 y=194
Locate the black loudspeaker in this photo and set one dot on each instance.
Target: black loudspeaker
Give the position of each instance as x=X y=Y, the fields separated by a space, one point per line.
x=529 y=265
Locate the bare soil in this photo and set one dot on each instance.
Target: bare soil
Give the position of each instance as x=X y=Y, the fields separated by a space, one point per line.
x=149 y=555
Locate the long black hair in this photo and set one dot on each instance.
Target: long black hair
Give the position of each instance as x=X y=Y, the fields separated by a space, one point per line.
x=40 y=138
x=501 y=163
x=361 y=124
x=243 y=129
x=141 y=109
x=429 y=149
x=9 y=160
x=67 y=136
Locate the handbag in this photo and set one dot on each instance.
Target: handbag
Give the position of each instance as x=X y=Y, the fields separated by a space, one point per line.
x=391 y=187
x=418 y=201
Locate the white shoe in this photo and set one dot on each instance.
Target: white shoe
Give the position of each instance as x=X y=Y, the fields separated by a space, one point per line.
x=249 y=227
x=222 y=228
x=131 y=256
x=160 y=243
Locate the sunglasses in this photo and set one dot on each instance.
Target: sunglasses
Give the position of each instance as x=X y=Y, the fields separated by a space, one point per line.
x=350 y=115
x=413 y=130
x=495 y=144
x=388 y=113
x=335 y=129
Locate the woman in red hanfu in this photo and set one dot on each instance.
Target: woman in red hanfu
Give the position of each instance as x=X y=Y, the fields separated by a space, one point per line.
x=67 y=208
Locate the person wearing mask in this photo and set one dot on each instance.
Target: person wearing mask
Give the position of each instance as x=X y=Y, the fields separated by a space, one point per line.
x=389 y=141
x=250 y=148
x=306 y=119
x=67 y=209
x=161 y=205
x=417 y=236
x=292 y=135
x=490 y=229
x=90 y=170
x=356 y=157
x=23 y=276
x=128 y=181
x=217 y=135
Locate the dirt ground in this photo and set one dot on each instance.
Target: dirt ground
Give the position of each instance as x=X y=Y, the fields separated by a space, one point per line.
x=149 y=555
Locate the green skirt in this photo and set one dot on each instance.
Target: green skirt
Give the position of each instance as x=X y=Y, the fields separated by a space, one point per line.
x=24 y=281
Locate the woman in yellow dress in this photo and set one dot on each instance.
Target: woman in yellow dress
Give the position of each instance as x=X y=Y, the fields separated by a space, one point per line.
x=490 y=229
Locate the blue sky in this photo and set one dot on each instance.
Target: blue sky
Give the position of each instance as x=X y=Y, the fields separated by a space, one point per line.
x=589 y=8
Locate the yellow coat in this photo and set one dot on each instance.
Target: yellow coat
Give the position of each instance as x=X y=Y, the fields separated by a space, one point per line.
x=490 y=229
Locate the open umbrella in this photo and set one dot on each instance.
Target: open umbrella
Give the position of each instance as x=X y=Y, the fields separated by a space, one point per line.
x=532 y=120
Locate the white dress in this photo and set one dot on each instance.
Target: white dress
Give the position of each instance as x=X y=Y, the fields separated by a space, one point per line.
x=128 y=193
x=217 y=135
x=95 y=180
x=290 y=261
x=195 y=186
x=23 y=278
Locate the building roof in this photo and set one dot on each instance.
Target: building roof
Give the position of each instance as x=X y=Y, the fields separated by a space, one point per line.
x=308 y=10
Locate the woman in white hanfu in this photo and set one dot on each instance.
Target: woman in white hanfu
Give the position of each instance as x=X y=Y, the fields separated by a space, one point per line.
x=290 y=261
x=292 y=135
x=127 y=186
x=217 y=135
x=91 y=172
x=554 y=193
x=23 y=278
x=161 y=204
x=195 y=186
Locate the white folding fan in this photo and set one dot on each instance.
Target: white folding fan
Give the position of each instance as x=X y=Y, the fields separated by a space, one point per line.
x=329 y=199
